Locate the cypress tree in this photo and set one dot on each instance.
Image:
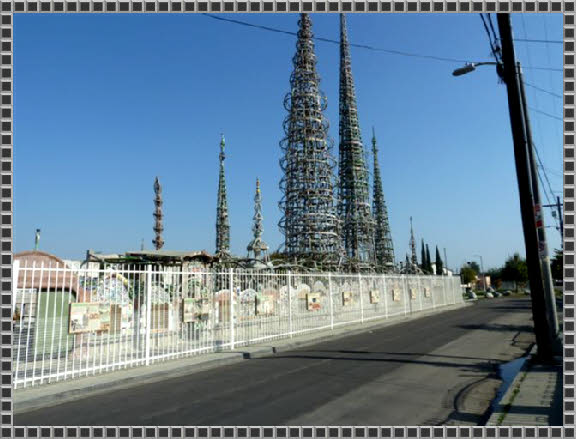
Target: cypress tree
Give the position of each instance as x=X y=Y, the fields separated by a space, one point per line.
x=428 y=260
x=439 y=264
x=423 y=257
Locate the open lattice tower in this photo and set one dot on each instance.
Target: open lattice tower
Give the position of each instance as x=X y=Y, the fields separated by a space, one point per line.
x=353 y=185
x=309 y=221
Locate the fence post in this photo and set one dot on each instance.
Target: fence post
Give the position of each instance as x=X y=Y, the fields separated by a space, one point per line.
x=15 y=273
x=231 y=309
x=361 y=301
x=331 y=301
x=385 y=297
x=420 y=292
x=290 y=303
x=432 y=293
x=406 y=294
x=148 y=311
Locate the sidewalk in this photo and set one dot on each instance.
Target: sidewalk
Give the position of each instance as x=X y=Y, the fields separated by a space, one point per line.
x=533 y=398
x=56 y=393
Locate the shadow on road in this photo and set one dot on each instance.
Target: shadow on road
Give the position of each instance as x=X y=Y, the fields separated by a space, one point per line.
x=483 y=366
x=412 y=354
x=499 y=327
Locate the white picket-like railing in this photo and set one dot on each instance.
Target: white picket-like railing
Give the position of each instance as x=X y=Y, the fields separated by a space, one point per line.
x=137 y=316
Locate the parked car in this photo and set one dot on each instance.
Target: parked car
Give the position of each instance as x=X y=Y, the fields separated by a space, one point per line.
x=489 y=295
x=507 y=293
x=497 y=294
x=472 y=295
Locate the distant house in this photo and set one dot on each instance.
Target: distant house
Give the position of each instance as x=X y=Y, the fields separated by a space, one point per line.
x=44 y=288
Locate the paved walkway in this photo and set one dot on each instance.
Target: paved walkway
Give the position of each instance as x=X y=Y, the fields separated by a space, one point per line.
x=533 y=398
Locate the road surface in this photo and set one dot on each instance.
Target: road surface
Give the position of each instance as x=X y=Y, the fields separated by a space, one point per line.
x=439 y=369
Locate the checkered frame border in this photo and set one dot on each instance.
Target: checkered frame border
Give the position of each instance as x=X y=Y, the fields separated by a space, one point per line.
x=6 y=72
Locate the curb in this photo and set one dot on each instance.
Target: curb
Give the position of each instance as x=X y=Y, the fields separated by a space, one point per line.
x=34 y=398
x=503 y=406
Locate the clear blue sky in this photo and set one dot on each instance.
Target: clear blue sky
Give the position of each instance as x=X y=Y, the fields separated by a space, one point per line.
x=104 y=103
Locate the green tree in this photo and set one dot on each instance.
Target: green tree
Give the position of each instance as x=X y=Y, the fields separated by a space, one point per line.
x=495 y=277
x=474 y=266
x=423 y=258
x=515 y=270
x=439 y=264
x=428 y=261
x=467 y=274
x=556 y=265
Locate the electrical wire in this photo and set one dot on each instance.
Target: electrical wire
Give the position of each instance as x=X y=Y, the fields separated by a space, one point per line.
x=492 y=39
x=546 y=114
x=361 y=46
x=556 y=95
x=526 y=40
x=328 y=40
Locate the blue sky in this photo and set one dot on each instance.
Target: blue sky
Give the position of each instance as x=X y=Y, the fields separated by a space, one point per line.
x=104 y=103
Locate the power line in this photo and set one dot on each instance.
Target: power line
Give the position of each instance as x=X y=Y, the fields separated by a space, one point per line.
x=491 y=38
x=362 y=46
x=328 y=40
x=527 y=40
x=543 y=90
x=546 y=114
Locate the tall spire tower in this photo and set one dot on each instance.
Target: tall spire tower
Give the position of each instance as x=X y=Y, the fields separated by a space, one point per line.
x=353 y=189
x=222 y=222
x=414 y=259
x=257 y=246
x=383 y=246
x=309 y=222
x=158 y=216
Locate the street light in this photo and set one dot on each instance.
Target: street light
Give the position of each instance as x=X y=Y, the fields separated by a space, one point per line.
x=470 y=67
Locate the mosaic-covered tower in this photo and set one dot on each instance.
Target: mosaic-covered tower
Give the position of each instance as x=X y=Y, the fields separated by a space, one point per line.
x=222 y=221
x=383 y=246
x=353 y=186
x=258 y=247
x=158 y=216
x=309 y=222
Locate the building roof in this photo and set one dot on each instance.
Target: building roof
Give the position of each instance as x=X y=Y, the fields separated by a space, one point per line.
x=43 y=271
x=153 y=255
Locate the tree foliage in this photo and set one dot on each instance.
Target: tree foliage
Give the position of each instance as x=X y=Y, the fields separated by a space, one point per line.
x=467 y=274
x=428 y=261
x=439 y=264
x=556 y=265
x=515 y=269
x=423 y=264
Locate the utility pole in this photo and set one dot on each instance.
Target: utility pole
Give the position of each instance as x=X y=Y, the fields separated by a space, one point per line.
x=445 y=260
x=543 y=326
x=558 y=207
x=540 y=227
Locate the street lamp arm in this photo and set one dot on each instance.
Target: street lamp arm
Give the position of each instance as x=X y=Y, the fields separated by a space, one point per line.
x=470 y=67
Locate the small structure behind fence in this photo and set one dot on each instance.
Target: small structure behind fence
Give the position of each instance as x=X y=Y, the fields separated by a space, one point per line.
x=70 y=323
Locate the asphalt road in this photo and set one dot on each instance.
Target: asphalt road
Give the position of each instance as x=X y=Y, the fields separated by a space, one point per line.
x=434 y=370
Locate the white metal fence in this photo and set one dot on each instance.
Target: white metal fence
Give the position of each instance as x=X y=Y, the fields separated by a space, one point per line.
x=70 y=323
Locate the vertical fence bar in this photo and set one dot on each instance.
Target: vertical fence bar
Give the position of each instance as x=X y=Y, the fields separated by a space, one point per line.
x=385 y=297
x=331 y=301
x=15 y=272
x=361 y=301
x=231 y=308
x=290 y=303
x=148 y=329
